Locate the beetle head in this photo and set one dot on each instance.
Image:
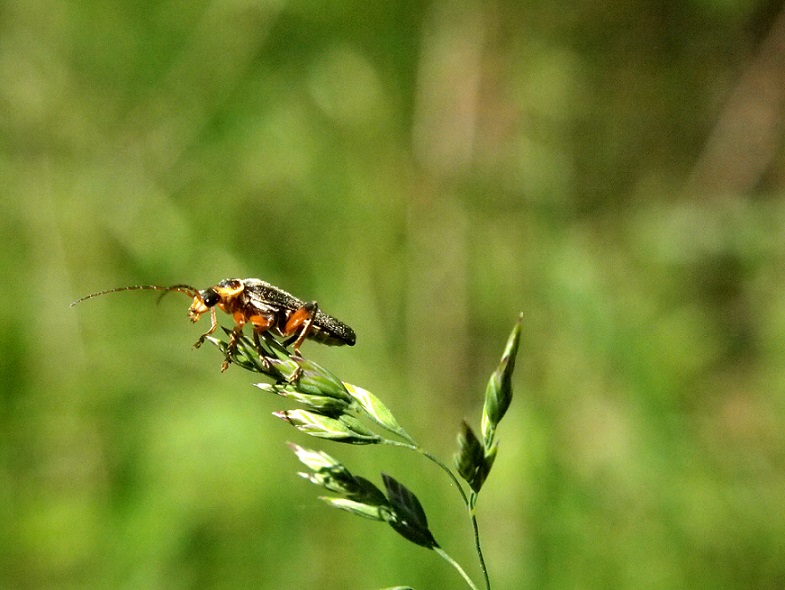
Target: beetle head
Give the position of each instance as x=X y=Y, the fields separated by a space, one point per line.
x=222 y=295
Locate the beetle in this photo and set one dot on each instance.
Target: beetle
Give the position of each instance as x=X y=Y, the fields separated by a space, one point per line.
x=266 y=307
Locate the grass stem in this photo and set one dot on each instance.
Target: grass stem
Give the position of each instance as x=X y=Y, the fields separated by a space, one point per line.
x=469 y=502
x=457 y=566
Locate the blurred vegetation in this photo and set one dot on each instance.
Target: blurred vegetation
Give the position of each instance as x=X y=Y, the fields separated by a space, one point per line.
x=426 y=170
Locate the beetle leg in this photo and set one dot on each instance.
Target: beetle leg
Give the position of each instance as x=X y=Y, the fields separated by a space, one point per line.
x=239 y=322
x=301 y=320
x=303 y=334
x=213 y=326
x=231 y=346
x=260 y=350
x=261 y=323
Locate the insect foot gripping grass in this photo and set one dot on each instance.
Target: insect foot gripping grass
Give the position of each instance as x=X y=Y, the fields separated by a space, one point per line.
x=329 y=408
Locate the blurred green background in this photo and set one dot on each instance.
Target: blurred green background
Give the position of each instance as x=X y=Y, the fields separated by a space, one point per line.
x=425 y=170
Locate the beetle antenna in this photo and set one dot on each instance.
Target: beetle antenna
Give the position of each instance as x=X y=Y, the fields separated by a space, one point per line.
x=187 y=289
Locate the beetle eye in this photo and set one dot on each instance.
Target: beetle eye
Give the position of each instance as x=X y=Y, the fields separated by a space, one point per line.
x=210 y=297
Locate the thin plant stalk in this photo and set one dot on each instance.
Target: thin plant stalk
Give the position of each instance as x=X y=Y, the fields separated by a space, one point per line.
x=478 y=547
x=443 y=554
x=470 y=506
x=469 y=502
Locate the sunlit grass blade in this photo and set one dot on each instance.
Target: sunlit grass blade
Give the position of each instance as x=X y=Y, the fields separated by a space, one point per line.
x=336 y=429
x=374 y=512
x=320 y=404
x=376 y=410
x=498 y=393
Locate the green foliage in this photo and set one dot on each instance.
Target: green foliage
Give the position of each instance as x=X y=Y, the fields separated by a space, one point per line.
x=330 y=415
